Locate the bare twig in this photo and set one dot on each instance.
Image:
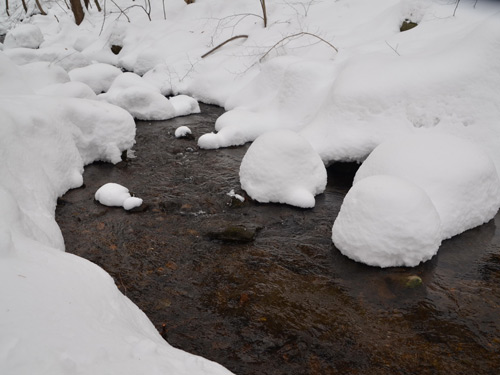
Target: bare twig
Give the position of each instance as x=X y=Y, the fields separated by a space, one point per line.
x=294 y=36
x=121 y=10
x=42 y=12
x=220 y=45
x=264 y=11
x=394 y=49
x=456 y=7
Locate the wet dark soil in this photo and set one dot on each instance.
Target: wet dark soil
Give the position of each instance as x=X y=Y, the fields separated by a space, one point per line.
x=284 y=300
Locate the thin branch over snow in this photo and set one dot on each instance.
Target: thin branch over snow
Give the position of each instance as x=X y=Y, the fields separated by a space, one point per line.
x=294 y=36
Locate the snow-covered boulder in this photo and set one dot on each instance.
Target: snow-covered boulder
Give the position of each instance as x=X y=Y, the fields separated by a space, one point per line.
x=116 y=195
x=98 y=77
x=459 y=177
x=182 y=132
x=24 y=35
x=141 y=99
x=67 y=58
x=68 y=90
x=386 y=221
x=281 y=166
x=41 y=74
x=184 y=105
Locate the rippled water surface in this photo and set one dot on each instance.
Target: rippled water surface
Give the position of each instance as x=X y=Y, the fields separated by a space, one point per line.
x=287 y=302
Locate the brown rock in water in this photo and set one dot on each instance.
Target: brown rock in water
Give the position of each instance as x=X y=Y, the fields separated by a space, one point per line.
x=234 y=233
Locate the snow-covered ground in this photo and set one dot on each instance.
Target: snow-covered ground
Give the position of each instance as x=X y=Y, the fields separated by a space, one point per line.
x=338 y=74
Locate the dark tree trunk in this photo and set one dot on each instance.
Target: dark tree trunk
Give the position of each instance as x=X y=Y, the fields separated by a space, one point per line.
x=25 y=6
x=98 y=5
x=77 y=9
x=86 y=2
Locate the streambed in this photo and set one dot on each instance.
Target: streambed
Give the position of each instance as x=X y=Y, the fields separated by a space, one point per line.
x=282 y=300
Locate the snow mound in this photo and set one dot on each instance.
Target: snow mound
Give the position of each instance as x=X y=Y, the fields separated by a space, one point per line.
x=141 y=99
x=68 y=90
x=67 y=58
x=24 y=35
x=41 y=74
x=116 y=195
x=281 y=166
x=458 y=176
x=184 y=105
x=386 y=221
x=12 y=80
x=182 y=131
x=98 y=77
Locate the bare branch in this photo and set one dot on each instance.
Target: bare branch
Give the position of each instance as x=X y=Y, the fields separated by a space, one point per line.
x=294 y=36
x=220 y=45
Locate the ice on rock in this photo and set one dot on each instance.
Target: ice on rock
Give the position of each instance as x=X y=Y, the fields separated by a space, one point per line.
x=24 y=35
x=98 y=77
x=386 y=221
x=182 y=131
x=281 y=166
x=458 y=176
x=116 y=195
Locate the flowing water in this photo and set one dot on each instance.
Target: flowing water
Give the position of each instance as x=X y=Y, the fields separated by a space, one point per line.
x=260 y=288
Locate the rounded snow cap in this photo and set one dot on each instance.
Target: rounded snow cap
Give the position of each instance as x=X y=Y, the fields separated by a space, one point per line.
x=25 y=36
x=386 y=221
x=281 y=166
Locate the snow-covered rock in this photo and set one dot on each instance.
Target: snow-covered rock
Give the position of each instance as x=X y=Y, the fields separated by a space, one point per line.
x=98 y=77
x=458 y=176
x=24 y=35
x=141 y=99
x=184 y=105
x=116 y=195
x=68 y=90
x=182 y=131
x=67 y=58
x=41 y=74
x=386 y=221
x=282 y=167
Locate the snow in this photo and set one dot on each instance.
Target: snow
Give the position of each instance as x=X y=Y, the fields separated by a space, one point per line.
x=24 y=35
x=302 y=102
x=98 y=77
x=182 y=131
x=457 y=175
x=232 y=194
x=112 y=194
x=281 y=166
x=386 y=221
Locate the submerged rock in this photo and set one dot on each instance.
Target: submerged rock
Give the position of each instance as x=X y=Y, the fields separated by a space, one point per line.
x=235 y=233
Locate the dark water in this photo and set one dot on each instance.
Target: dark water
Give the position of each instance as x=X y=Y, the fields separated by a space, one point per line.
x=288 y=302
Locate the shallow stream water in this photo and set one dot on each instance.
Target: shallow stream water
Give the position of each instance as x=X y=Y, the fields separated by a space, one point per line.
x=282 y=300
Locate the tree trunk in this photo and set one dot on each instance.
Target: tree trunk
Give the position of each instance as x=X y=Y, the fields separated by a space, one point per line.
x=7 y=7
x=77 y=9
x=42 y=12
x=87 y=3
x=25 y=6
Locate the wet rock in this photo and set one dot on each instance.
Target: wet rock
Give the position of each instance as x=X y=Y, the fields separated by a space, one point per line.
x=413 y=281
x=142 y=208
x=170 y=206
x=116 y=49
x=407 y=25
x=235 y=233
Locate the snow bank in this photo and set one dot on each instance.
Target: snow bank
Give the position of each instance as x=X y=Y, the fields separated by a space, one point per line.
x=98 y=77
x=282 y=167
x=65 y=57
x=24 y=35
x=68 y=90
x=113 y=195
x=386 y=221
x=458 y=176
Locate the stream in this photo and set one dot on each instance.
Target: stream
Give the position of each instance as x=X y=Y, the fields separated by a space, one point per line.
x=260 y=288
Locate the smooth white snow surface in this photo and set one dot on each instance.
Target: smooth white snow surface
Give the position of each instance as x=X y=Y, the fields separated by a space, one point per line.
x=386 y=221
x=282 y=167
x=441 y=77
x=24 y=35
x=457 y=175
x=112 y=194
x=182 y=131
